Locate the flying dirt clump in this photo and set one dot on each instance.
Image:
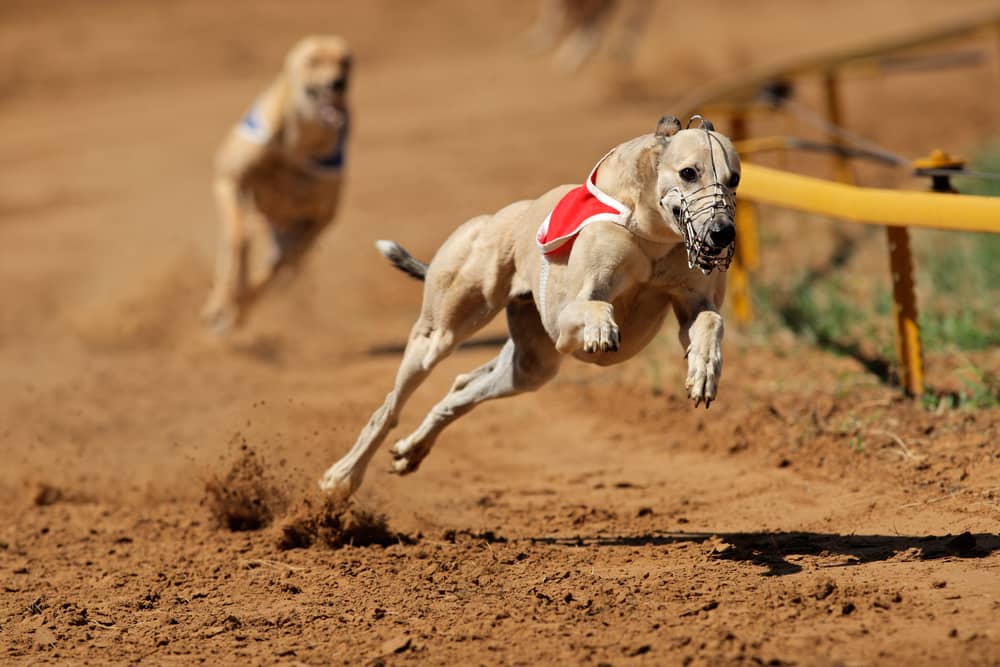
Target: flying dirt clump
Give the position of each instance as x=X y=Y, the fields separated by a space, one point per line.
x=245 y=498
x=336 y=523
x=46 y=494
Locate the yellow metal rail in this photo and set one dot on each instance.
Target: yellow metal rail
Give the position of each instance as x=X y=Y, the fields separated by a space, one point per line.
x=870 y=205
x=896 y=210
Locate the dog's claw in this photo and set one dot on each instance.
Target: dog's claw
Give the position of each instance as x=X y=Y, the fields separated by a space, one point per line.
x=602 y=337
x=616 y=340
x=704 y=369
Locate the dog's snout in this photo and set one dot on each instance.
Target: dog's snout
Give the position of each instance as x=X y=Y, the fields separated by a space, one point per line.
x=722 y=233
x=339 y=84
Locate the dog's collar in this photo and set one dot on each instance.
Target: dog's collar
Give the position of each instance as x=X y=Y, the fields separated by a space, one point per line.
x=578 y=208
x=336 y=159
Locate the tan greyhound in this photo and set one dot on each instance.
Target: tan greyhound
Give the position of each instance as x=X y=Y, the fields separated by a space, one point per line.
x=588 y=271
x=283 y=160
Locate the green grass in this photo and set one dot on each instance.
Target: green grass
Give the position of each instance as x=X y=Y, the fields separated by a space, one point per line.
x=958 y=294
x=980 y=390
x=958 y=289
x=986 y=160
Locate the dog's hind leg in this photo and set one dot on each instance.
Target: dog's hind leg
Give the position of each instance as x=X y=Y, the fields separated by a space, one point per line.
x=288 y=247
x=424 y=350
x=222 y=311
x=463 y=291
x=527 y=361
x=592 y=18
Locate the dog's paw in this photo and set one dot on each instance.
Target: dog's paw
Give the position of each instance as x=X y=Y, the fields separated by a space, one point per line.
x=599 y=332
x=406 y=457
x=339 y=481
x=588 y=326
x=704 y=371
x=220 y=316
x=601 y=336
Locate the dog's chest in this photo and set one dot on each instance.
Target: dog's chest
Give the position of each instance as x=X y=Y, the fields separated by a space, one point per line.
x=284 y=192
x=639 y=313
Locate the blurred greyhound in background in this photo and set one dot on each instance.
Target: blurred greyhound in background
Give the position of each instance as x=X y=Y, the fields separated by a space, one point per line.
x=284 y=161
x=576 y=28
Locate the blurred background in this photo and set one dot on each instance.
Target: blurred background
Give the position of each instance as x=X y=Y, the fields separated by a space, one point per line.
x=116 y=407
x=111 y=112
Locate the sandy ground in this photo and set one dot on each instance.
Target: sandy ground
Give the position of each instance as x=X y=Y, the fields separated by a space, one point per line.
x=813 y=516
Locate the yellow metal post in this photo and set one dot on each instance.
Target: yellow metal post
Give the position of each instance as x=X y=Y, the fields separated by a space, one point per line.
x=905 y=310
x=995 y=87
x=834 y=115
x=746 y=258
x=739 y=272
x=748 y=240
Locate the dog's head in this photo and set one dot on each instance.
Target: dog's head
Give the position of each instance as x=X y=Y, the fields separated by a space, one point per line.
x=318 y=71
x=697 y=174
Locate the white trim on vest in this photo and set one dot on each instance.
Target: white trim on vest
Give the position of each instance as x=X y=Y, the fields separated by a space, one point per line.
x=620 y=218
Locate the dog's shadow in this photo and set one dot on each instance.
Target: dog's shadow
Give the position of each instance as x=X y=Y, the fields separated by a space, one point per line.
x=265 y=349
x=772 y=550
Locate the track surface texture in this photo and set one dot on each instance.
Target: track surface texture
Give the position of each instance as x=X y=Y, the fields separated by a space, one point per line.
x=159 y=488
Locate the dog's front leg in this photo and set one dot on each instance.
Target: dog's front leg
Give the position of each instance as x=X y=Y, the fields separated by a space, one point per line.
x=701 y=330
x=588 y=324
x=222 y=310
x=603 y=263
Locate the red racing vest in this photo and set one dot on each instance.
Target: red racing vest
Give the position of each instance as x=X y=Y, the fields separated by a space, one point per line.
x=578 y=208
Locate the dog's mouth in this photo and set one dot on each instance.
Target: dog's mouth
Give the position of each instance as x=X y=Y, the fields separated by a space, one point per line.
x=332 y=114
x=696 y=215
x=329 y=103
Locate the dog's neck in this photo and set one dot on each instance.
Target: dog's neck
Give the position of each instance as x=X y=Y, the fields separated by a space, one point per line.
x=629 y=175
x=316 y=142
x=307 y=129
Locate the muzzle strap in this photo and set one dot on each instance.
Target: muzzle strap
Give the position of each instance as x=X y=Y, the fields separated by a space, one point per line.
x=703 y=206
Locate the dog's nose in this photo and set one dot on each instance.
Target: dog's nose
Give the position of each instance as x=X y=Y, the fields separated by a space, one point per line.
x=339 y=84
x=722 y=233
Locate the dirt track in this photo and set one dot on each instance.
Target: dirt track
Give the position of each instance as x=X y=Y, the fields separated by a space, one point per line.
x=811 y=517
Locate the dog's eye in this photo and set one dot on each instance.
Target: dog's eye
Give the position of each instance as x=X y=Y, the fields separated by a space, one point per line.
x=734 y=180
x=689 y=174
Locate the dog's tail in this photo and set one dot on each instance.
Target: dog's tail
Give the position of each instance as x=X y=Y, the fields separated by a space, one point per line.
x=401 y=259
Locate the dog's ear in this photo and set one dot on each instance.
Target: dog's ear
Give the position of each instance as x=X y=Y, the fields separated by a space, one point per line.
x=668 y=127
x=703 y=123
